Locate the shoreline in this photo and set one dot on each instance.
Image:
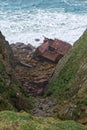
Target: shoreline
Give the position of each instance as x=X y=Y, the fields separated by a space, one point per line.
x=32 y=40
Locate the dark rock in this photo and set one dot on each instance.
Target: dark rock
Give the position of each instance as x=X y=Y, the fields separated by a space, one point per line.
x=43 y=107
x=32 y=73
x=37 y=39
x=24 y=64
x=11 y=91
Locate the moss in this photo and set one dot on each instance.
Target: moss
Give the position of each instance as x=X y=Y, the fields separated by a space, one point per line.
x=24 y=121
x=1 y=68
x=12 y=95
x=19 y=99
x=15 y=96
x=2 y=84
x=22 y=103
x=4 y=104
x=1 y=78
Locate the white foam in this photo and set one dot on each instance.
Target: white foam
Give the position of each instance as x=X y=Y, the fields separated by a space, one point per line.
x=27 y=25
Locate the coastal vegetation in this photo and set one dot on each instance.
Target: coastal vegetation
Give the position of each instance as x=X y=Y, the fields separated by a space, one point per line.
x=23 y=121
x=69 y=83
x=12 y=95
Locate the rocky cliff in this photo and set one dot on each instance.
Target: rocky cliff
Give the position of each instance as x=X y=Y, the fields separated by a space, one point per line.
x=33 y=72
x=69 y=83
x=11 y=92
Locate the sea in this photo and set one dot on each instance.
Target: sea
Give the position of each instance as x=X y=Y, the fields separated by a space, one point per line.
x=28 y=20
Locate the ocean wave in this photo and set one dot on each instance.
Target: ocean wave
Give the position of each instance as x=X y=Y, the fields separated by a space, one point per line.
x=68 y=5
x=26 y=24
x=76 y=2
x=38 y=23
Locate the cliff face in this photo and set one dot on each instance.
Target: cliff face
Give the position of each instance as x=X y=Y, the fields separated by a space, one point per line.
x=6 y=60
x=69 y=83
x=5 y=72
x=32 y=71
x=11 y=93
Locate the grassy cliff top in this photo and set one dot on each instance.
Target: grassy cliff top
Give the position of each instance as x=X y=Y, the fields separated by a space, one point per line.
x=22 y=121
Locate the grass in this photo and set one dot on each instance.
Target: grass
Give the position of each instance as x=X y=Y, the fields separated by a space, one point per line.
x=24 y=121
x=67 y=77
x=1 y=67
x=12 y=96
x=69 y=82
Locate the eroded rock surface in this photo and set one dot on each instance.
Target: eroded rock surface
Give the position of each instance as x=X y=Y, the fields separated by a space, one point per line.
x=33 y=72
x=44 y=107
x=11 y=92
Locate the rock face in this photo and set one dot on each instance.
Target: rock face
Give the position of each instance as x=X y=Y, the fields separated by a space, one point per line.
x=21 y=50
x=69 y=83
x=32 y=69
x=6 y=59
x=44 y=107
x=11 y=93
x=6 y=54
x=33 y=72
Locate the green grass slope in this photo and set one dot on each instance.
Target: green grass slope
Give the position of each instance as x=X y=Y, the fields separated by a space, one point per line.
x=69 y=83
x=23 y=121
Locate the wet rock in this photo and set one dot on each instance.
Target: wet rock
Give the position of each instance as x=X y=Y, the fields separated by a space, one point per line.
x=25 y=65
x=43 y=107
x=37 y=39
x=22 y=51
x=31 y=71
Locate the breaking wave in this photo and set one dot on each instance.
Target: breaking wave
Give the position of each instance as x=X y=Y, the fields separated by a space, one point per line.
x=26 y=20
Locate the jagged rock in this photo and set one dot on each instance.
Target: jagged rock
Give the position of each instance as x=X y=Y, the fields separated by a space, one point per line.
x=37 y=39
x=44 y=107
x=24 y=64
x=6 y=56
x=22 y=48
x=33 y=73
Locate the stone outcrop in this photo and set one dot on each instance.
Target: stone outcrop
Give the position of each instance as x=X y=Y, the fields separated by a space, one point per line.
x=33 y=72
x=6 y=58
x=23 y=50
x=44 y=107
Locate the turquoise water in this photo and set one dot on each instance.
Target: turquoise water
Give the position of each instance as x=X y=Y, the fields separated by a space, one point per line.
x=26 y=20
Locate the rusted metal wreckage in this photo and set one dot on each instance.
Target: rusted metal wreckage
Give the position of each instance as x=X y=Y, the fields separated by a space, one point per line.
x=52 y=50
